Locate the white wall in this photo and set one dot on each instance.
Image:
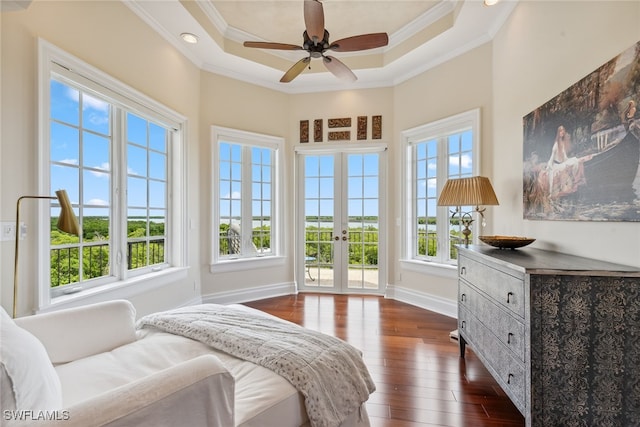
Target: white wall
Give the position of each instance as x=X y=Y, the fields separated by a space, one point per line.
x=238 y=105
x=459 y=85
x=544 y=48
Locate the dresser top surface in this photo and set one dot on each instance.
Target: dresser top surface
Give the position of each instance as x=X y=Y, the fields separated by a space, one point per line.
x=538 y=261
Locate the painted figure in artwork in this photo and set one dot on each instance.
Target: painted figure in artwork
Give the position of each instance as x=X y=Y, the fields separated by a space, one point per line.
x=565 y=173
x=629 y=120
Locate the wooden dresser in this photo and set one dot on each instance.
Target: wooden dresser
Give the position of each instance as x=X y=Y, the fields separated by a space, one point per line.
x=559 y=333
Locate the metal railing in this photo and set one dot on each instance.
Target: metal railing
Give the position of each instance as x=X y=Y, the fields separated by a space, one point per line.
x=65 y=267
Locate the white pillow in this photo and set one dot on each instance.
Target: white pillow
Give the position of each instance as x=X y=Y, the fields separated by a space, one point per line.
x=36 y=385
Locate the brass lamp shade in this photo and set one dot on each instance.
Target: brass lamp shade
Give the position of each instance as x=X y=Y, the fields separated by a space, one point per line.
x=67 y=222
x=474 y=191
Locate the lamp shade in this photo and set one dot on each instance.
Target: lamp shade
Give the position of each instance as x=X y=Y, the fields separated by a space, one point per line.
x=67 y=221
x=474 y=191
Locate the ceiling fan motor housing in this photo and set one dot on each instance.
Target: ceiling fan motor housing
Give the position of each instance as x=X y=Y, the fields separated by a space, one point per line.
x=316 y=49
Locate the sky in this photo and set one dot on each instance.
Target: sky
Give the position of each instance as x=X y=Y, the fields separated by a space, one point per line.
x=81 y=142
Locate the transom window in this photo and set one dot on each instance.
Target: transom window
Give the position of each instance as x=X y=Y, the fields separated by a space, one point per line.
x=435 y=152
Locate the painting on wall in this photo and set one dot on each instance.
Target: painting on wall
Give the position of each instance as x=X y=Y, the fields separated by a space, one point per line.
x=582 y=148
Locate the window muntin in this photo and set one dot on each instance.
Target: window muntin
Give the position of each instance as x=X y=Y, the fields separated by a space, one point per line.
x=436 y=152
x=245 y=211
x=84 y=122
x=80 y=143
x=147 y=164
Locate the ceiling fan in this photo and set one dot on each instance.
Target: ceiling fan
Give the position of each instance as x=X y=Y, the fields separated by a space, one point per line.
x=316 y=43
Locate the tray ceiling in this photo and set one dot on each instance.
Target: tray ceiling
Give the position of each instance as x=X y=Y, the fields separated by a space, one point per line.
x=422 y=34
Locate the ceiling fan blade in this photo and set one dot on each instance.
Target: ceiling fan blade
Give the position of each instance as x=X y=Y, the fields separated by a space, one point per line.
x=314 y=20
x=338 y=69
x=269 y=45
x=293 y=72
x=361 y=42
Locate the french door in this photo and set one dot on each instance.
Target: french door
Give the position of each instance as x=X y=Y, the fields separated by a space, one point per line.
x=340 y=223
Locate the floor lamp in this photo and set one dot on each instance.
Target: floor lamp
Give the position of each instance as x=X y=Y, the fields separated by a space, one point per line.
x=67 y=222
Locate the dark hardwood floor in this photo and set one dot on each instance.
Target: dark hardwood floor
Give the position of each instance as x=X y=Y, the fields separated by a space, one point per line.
x=419 y=376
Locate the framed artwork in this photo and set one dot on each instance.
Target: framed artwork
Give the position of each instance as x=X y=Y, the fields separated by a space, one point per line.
x=377 y=127
x=317 y=130
x=304 y=130
x=582 y=148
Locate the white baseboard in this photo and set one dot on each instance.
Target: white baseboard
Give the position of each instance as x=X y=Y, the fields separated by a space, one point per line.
x=193 y=301
x=250 y=294
x=424 y=300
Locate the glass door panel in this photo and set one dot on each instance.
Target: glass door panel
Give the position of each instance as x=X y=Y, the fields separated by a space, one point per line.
x=363 y=220
x=341 y=194
x=319 y=208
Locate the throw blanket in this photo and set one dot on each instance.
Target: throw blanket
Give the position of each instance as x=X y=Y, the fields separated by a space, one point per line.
x=328 y=372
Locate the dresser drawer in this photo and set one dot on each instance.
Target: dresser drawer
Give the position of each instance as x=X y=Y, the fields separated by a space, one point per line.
x=464 y=321
x=508 y=329
x=505 y=368
x=503 y=288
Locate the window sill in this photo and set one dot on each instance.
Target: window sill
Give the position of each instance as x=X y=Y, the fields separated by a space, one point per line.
x=122 y=289
x=448 y=271
x=246 y=263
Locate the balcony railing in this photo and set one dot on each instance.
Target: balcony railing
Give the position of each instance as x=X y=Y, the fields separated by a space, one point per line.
x=65 y=265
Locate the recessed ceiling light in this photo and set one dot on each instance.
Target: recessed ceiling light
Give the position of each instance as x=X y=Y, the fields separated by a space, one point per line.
x=490 y=2
x=189 y=38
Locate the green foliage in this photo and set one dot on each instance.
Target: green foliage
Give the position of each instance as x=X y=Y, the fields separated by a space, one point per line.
x=428 y=244
x=65 y=251
x=363 y=245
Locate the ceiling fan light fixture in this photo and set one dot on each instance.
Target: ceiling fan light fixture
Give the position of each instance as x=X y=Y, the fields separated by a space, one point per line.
x=189 y=38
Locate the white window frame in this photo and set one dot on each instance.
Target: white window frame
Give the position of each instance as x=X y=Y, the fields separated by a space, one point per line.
x=220 y=263
x=122 y=283
x=439 y=265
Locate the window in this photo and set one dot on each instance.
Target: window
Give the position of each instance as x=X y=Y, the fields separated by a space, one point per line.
x=117 y=153
x=246 y=205
x=434 y=153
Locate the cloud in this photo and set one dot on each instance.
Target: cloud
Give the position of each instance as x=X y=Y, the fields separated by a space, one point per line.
x=98 y=202
x=234 y=195
x=68 y=162
x=88 y=102
x=465 y=161
x=104 y=167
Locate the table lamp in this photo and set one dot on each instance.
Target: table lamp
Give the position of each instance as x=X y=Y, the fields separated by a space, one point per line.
x=475 y=191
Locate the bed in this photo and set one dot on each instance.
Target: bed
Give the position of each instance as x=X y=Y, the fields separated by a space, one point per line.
x=164 y=370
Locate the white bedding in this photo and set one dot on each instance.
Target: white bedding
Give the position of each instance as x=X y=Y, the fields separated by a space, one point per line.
x=262 y=398
x=327 y=371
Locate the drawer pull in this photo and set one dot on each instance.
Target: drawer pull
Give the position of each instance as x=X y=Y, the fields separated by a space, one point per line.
x=463 y=324
x=509 y=295
x=509 y=338
x=463 y=270
x=509 y=378
x=463 y=297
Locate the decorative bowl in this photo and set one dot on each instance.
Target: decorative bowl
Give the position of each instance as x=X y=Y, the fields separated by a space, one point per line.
x=506 y=242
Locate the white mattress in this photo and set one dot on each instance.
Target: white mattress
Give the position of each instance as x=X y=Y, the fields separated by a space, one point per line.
x=262 y=398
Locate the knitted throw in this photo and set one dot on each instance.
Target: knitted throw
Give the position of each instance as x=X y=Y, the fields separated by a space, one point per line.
x=328 y=372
